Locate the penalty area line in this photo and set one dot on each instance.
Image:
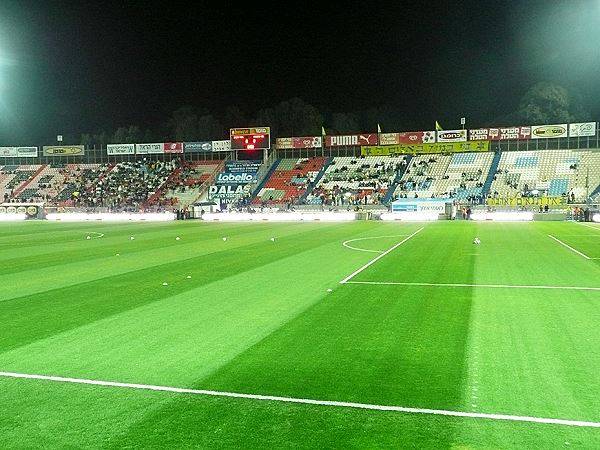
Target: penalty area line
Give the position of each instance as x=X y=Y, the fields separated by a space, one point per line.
x=307 y=401
x=465 y=285
x=377 y=258
x=593 y=227
x=569 y=247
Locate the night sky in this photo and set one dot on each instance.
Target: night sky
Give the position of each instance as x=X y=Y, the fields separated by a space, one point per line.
x=80 y=66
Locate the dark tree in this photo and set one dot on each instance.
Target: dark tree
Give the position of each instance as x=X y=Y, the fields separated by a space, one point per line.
x=547 y=103
x=345 y=123
x=292 y=117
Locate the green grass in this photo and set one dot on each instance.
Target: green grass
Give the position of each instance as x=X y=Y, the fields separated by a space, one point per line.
x=249 y=315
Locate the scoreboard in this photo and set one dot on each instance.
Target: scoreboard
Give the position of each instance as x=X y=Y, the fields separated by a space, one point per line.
x=257 y=138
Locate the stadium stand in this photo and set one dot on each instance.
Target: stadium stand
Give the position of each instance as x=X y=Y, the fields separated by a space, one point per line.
x=465 y=176
x=460 y=176
x=352 y=180
x=336 y=181
x=14 y=180
x=555 y=173
x=417 y=180
x=289 y=181
x=124 y=186
x=73 y=179
x=187 y=183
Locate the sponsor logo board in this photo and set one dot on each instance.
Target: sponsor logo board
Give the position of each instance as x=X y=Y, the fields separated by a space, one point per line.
x=27 y=152
x=221 y=146
x=238 y=178
x=173 y=147
x=452 y=136
x=307 y=142
x=228 y=191
x=300 y=142
x=207 y=146
x=389 y=138
x=8 y=151
x=500 y=134
x=63 y=150
x=145 y=149
x=549 y=131
x=407 y=137
x=355 y=139
x=202 y=146
x=30 y=210
x=437 y=205
x=413 y=149
x=523 y=201
x=287 y=142
x=120 y=149
x=416 y=137
x=249 y=166
x=249 y=131
x=582 y=129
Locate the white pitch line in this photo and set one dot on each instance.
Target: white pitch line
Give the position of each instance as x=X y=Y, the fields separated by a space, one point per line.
x=345 y=243
x=506 y=286
x=569 y=247
x=308 y=401
x=379 y=257
x=593 y=227
x=581 y=235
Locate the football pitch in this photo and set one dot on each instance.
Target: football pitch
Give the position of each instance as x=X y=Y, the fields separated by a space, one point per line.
x=366 y=334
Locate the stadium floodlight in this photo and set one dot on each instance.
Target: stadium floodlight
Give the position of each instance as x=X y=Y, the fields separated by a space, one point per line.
x=410 y=216
x=279 y=217
x=5 y=62
x=111 y=217
x=518 y=216
x=12 y=217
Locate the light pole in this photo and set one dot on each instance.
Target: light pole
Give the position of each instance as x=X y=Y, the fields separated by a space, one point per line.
x=587 y=185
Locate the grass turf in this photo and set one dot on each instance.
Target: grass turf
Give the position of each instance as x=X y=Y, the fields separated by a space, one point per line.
x=255 y=316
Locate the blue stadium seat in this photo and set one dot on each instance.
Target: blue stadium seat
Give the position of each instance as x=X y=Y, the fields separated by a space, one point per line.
x=526 y=161
x=558 y=187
